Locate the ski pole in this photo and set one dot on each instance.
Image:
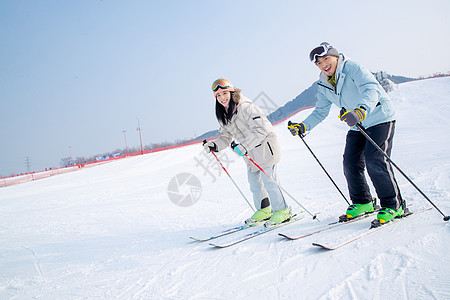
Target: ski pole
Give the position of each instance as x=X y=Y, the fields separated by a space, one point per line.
x=232 y=179
x=363 y=131
x=281 y=188
x=320 y=164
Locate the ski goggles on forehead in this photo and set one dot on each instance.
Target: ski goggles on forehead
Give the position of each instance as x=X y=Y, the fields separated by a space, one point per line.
x=221 y=83
x=319 y=51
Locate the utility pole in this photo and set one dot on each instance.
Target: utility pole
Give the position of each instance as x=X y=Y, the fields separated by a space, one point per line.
x=126 y=147
x=28 y=164
x=140 y=137
x=70 y=149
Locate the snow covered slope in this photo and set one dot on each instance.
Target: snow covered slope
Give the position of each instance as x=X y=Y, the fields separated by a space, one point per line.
x=111 y=232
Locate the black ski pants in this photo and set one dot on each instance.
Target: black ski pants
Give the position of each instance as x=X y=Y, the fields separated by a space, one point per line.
x=360 y=153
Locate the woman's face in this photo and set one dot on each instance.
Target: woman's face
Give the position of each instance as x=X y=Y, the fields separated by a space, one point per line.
x=327 y=64
x=223 y=97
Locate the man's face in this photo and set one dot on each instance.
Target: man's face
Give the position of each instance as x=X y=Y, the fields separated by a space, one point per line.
x=327 y=64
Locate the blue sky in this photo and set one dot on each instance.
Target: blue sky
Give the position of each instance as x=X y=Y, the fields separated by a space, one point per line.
x=75 y=74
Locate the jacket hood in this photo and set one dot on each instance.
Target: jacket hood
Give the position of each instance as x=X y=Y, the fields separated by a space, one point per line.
x=236 y=95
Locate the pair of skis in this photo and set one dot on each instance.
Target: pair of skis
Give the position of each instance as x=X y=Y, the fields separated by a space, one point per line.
x=259 y=230
x=332 y=244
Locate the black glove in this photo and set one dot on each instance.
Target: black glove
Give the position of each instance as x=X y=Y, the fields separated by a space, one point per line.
x=296 y=128
x=353 y=117
x=209 y=146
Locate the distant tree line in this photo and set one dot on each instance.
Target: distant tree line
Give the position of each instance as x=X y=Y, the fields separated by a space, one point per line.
x=436 y=75
x=65 y=162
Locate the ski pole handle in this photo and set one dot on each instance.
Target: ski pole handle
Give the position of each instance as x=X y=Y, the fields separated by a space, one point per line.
x=302 y=135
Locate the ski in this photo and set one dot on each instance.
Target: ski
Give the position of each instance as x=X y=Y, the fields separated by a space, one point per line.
x=375 y=226
x=340 y=222
x=255 y=233
x=226 y=232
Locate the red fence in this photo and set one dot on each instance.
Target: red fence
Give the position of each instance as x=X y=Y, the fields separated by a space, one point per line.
x=22 y=178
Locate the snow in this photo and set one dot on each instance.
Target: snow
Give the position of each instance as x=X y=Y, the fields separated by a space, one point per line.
x=111 y=231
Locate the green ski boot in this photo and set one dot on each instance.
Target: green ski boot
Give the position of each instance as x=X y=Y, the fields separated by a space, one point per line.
x=279 y=216
x=355 y=210
x=260 y=215
x=387 y=214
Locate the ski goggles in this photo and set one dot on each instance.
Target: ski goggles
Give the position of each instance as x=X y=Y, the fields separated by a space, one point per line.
x=319 y=51
x=221 y=83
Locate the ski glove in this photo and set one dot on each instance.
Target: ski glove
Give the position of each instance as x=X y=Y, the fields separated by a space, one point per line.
x=296 y=128
x=209 y=146
x=239 y=149
x=353 y=117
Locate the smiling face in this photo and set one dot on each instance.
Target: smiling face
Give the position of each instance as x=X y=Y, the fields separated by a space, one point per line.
x=327 y=64
x=223 y=97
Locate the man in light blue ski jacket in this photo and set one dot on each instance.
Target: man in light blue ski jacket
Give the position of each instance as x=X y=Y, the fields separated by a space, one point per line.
x=355 y=87
x=362 y=101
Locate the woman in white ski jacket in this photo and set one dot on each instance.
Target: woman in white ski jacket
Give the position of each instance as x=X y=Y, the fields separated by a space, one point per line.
x=244 y=123
x=362 y=100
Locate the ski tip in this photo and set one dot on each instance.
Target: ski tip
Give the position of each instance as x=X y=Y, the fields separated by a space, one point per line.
x=199 y=239
x=446 y=218
x=323 y=246
x=216 y=246
x=284 y=235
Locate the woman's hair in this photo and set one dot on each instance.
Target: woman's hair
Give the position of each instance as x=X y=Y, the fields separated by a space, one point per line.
x=223 y=115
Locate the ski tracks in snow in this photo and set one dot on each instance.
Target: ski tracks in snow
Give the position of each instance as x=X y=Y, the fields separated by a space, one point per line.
x=415 y=270
x=37 y=265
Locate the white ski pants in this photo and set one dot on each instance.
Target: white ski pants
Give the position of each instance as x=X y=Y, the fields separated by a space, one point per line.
x=262 y=187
